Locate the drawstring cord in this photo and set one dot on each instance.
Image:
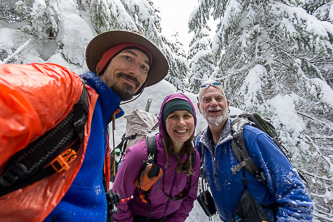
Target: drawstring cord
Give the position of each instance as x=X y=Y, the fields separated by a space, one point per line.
x=131 y=100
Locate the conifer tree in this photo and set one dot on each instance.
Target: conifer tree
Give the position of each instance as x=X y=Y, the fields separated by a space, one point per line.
x=48 y=26
x=177 y=62
x=144 y=17
x=274 y=58
x=202 y=62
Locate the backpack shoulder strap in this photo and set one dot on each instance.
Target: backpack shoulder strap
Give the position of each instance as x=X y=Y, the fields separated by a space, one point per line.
x=151 y=158
x=193 y=156
x=151 y=148
x=240 y=150
x=202 y=151
x=27 y=166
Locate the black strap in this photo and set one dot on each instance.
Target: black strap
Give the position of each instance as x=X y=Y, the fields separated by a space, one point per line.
x=193 y=156
x=26 y=166
x=151 y=148
x=149 y=204
x=151 y=157
x=240 y=150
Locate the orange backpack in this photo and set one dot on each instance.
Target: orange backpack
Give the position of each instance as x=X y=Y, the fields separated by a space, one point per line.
x=35 y=99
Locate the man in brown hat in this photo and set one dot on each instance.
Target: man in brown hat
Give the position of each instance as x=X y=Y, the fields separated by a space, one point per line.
x=105 y=56
x=121 y=64
x=125 y=62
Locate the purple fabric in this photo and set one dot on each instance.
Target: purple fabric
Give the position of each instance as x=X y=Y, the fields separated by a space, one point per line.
x=161 y=206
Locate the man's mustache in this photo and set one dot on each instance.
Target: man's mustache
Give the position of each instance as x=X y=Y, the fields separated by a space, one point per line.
x=214 y=109
x=130 y=77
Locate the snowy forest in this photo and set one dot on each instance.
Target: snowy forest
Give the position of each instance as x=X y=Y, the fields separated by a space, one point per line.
x=273 y=57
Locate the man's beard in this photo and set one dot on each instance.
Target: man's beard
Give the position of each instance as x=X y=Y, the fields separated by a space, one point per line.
x=217 y=121
x=127 y=91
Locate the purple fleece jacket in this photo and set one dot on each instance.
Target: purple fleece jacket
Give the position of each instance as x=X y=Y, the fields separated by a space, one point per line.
x=161 y=206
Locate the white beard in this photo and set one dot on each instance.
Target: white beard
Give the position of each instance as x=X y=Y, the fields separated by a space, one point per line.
x=217 y=121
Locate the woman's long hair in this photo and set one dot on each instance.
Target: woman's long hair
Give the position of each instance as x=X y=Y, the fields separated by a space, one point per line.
x=187 y=148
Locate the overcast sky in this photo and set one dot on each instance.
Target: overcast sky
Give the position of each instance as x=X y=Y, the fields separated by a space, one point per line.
x=175 y=15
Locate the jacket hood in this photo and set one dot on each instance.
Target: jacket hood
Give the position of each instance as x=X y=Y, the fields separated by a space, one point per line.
x=166 y=100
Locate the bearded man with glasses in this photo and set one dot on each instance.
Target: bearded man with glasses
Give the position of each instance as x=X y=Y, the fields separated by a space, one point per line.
x=283 y=197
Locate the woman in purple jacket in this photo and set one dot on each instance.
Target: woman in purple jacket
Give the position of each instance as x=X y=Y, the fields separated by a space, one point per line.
x=172 y=196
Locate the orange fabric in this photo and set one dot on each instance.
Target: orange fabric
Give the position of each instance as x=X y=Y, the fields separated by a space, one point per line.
x=32 y=100
x=107 y=164
x=144 y=182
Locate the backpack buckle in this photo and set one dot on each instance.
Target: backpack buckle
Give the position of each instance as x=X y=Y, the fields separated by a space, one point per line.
x=12 y=175
x=62 y=161
x=236 y=169
x=239 y=166
x=260 y=175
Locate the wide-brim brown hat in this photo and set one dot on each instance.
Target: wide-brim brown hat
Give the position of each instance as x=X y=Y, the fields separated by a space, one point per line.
x=106 y=40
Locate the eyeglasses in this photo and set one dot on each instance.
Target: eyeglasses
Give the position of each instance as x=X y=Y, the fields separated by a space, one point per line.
x=211 y=84
x=180 y=196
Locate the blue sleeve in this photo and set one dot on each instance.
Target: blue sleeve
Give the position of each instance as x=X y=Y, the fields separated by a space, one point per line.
x=197 y=145
x=284 y=184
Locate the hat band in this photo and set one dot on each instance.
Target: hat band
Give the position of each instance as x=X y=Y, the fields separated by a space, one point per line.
x=117 y=48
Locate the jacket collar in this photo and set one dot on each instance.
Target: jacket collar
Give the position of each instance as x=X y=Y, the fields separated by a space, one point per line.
x=108 y=100
x=207 y=137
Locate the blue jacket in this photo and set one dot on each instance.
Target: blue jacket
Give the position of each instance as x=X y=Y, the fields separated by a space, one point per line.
x=85 y=200
x=284 y=186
